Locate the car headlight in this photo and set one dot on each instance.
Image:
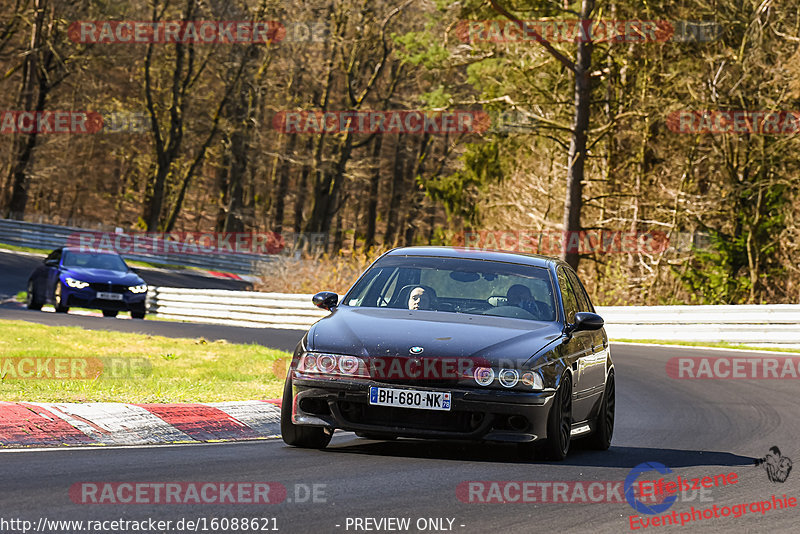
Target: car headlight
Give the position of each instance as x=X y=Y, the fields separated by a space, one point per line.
x=138 y=289
x=532 y=380
x=77 y=284
x=332 y=365
x=509 y=378
x=484 y=376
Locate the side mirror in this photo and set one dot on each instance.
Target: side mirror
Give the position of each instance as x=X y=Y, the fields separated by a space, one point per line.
x=51 y=263
x=327 y=300
x=587 y=321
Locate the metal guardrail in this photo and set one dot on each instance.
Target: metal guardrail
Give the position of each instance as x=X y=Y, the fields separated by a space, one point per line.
x=234 y=308
x=774 y=325
x=769 y=325
x=49 y=236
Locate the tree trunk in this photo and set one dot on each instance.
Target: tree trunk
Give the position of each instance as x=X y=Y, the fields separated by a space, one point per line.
x=577 y=145
x=283 y=184
x=396 y=194
x=302 y=189
x=32 y=96
x=374 y=184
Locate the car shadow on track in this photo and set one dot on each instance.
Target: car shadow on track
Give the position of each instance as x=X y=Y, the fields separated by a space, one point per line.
x=622 y=457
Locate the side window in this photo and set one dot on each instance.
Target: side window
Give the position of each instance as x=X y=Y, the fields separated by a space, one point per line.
x=389 y=289
x=567 y=296
x=584 y=304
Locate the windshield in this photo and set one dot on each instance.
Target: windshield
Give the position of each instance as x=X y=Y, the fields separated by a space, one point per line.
x=109 y=262
x=457 y=285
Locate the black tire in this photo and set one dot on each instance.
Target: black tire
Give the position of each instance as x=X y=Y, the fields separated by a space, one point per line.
x=601 y=438
x=559 y=423
x=137 y=314
x=307 y=437
x=110 y=313
x=57 y=302
x=30 y=298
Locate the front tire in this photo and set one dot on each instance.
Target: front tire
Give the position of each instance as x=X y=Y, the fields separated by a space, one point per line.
x=601 y=438
x=110 y=313
x=307 y=437
x=137 y=315
x=30 y=299
x=58 y=299
x=559 y=423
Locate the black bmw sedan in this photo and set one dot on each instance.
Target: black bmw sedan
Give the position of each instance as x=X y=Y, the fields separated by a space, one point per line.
x=447 y=343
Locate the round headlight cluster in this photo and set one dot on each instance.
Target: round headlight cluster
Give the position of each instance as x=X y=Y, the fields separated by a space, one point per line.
x=484 y=376
x=309 y=363
x=326 y=363
x=508 y=378
x=331 y=364
x=348 y=364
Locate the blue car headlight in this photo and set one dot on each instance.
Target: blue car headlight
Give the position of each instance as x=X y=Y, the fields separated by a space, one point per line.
x=77 y=284
x=138 y=289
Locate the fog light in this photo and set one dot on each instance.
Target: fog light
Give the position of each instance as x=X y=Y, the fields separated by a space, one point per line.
x=508 y=378
x=484 y=376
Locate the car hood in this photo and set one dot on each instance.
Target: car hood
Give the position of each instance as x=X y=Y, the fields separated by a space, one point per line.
x=390 y=332
x=103 y=276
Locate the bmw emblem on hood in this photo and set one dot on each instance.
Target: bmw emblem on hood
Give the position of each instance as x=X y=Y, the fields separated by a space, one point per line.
x=415 y=350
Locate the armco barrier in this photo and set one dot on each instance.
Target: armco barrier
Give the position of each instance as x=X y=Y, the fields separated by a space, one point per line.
x=49 y=236
x=235 y=308
x=769 y=325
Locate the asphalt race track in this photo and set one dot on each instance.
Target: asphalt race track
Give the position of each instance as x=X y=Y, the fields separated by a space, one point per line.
x=697 y=428
x=15 y=268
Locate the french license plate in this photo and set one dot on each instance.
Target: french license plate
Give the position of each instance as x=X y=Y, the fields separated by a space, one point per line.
x=109 y=296
x=408 y=398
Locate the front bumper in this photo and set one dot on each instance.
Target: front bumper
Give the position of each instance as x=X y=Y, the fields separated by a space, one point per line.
x=474 y=415
x=87 y=298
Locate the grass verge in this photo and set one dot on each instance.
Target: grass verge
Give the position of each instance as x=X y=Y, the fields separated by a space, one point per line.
x=720 y=344
x=137 y=368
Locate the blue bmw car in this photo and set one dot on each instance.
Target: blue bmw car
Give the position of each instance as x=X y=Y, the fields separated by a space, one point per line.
x=70 y=277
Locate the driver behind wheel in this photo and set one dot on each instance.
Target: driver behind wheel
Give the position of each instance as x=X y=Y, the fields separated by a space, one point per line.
x=520 y=296
x=422 y=298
